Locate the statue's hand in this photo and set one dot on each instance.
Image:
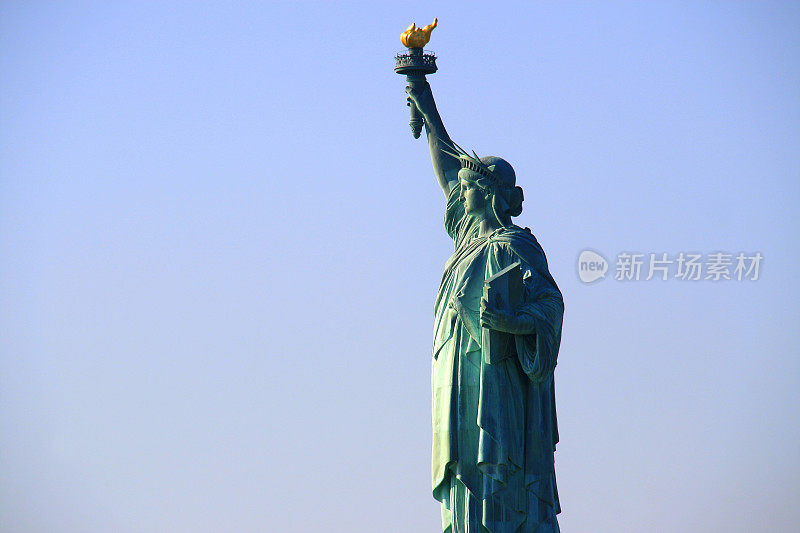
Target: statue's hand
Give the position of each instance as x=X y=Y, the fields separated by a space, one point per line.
x=493 y=318
x=422 y=97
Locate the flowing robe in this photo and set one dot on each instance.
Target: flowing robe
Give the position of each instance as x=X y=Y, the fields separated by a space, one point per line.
x=494 y=425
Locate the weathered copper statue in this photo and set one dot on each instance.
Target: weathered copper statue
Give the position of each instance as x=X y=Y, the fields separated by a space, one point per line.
x=496 y=338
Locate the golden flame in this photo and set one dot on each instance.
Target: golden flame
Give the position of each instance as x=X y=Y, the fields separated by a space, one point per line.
x=415 y=37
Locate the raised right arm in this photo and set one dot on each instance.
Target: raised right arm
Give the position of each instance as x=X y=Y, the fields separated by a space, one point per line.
x=445 y=166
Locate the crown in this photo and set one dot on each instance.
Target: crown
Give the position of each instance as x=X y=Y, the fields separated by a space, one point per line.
x=470 y=162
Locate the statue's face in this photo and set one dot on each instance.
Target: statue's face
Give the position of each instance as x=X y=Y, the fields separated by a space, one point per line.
x=474 y=198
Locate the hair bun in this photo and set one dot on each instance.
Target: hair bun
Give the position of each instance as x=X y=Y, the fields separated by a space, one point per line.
x=515 y=199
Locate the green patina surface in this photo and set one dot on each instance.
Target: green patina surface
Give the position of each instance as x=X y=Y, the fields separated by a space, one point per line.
x=494 y=424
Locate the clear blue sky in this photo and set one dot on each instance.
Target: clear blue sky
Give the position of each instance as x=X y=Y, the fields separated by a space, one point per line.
x=219 y=250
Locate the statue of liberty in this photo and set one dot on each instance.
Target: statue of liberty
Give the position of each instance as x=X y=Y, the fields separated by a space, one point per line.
x=494 y=417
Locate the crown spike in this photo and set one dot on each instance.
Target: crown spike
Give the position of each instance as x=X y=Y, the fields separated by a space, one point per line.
x=452 y=145
x=451 y=154
x=444 y=142
x=460 y=149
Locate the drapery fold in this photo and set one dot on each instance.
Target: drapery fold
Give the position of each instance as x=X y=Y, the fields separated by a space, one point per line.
x=494 y=425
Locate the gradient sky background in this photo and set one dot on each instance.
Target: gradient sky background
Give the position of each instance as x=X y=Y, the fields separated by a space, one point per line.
x=220 y=246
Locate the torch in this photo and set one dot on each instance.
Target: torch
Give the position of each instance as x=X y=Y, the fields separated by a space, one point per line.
x=415 y=64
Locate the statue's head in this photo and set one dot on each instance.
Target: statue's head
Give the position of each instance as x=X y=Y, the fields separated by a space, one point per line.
x=488 y=185
x=495 y=179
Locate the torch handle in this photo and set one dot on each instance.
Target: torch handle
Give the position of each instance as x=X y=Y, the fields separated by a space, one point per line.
x=416 y=122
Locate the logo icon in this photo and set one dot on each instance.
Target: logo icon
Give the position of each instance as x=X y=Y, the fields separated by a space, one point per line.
x=591 y=266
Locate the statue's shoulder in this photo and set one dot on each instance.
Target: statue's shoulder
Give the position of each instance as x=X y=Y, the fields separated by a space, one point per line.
x=524 y=245
x=518 y=238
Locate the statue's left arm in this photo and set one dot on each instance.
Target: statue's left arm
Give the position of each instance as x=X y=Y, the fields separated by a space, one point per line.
x=537 y=348
x=536 y=323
